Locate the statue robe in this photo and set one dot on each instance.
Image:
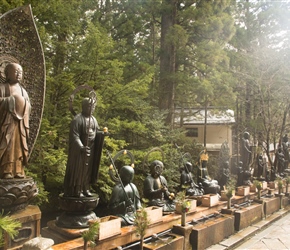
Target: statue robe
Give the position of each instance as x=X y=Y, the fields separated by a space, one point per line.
x=15 y=110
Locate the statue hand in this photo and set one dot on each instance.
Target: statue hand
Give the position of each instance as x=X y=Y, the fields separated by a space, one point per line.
x=129 y=202
x=86 y=150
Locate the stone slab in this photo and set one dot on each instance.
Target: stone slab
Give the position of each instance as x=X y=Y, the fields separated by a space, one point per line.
x=236 y=238
x=56 y=237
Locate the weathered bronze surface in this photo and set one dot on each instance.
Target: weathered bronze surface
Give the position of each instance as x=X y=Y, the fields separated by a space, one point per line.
x=15 y=194
x=77 y=211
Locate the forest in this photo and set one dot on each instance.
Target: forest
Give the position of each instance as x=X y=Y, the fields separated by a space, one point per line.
x=145 y=58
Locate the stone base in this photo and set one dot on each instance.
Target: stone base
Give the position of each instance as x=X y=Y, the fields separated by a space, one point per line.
x=271 y=205
x=30 y=227
x=185 y=232
x=59 y=234
x=247 y=216
x=211 y=232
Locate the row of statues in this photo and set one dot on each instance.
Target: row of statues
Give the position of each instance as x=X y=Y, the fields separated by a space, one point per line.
x=125 y=199
x=84 y=153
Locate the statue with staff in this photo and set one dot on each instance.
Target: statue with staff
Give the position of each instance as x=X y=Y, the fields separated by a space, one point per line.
x=85 y=147
x=125 y=198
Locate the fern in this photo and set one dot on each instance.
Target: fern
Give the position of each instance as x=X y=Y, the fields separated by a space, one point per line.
x=8 y=225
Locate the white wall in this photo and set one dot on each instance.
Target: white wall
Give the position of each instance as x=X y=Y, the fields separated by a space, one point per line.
x=215 y=136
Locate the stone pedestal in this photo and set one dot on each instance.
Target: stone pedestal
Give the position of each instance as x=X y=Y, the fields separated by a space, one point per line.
x=271 y=205
x=185 y=232
x=59 y=234
x=211 y=232
x=30 y=227
x=247 y=216
x=77 y=211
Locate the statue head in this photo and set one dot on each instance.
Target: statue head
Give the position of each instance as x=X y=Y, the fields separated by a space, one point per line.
x=88 y=106
x=188 y=167
x=13 y=72
x=126 y=174
x=226 y=164
x=246 y=135
x=156 y=168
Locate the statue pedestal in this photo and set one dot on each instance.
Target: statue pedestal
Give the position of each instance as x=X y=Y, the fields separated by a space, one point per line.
x=30 y=227
x=77 y=211
x=15 y=194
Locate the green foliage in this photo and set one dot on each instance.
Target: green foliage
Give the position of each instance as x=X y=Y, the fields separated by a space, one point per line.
x=8 y=225
x=231 y=186
x=257 y=184
x=90 y=235
x=279 y=181
x=141 y=222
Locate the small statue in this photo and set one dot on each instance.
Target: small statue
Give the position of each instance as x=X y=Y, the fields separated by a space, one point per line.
x=125 y=199
x=186 y=180
x=285 y=139
x=83 y=147
x=225 y=175
x=155 y=188
x=279 y=162
x=15 y=110
x=285 y=147
x=210 y=186
x=246 y=152
x=240 y=174
x=261 y=168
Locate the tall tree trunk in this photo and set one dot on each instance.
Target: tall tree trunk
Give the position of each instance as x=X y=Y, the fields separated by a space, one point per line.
x=167 y=60
x=205 y=122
